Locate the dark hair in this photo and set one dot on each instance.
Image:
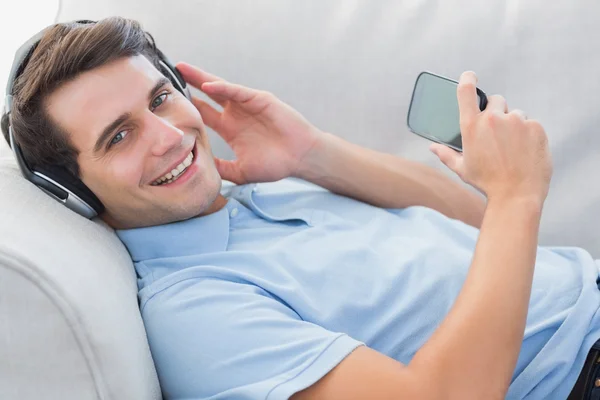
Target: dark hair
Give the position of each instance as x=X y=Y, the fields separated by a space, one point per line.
x=65 y=51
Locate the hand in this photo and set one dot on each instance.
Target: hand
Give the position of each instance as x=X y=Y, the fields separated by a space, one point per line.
x=504 y=153
x=269 y=138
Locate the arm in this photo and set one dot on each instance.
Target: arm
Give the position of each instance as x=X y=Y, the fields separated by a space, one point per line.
x=273 y=141
x=486 y=323
x=387 y=181
x=507 y=158
x=504 y=156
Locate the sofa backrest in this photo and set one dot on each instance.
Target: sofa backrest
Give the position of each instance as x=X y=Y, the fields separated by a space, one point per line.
x=69 y=324
x=349 y=67
x=70 y=327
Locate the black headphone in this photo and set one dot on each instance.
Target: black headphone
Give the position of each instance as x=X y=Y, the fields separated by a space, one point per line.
x=57 y=181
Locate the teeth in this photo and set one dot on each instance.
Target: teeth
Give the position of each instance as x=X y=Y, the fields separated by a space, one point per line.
x=175 y=172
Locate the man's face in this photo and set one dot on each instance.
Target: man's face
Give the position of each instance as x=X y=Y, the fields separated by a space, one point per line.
x=133 y=129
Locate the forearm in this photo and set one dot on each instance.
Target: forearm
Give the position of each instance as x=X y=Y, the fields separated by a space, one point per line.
x=474 y=351
x=388 y=181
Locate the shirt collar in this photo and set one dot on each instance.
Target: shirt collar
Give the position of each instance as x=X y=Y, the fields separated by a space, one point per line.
x=206 y=234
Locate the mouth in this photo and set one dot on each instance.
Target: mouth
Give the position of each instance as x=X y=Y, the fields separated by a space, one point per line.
x=177 y=171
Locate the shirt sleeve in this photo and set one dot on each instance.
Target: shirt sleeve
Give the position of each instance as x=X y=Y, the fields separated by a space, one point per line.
x=220 y=339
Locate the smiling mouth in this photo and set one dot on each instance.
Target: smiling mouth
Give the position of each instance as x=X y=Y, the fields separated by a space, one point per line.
x=176 y=172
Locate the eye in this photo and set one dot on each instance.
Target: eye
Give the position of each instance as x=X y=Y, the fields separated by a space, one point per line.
x=158 y=100
x=117 y=138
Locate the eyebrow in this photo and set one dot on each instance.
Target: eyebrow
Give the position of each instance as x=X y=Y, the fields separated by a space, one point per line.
x=107 y=132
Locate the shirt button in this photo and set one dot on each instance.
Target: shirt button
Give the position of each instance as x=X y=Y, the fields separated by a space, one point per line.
x=234 y=212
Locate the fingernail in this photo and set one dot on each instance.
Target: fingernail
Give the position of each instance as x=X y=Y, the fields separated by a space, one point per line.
x=466 y=73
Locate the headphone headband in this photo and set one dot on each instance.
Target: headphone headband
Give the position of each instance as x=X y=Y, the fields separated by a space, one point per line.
x=57 y=181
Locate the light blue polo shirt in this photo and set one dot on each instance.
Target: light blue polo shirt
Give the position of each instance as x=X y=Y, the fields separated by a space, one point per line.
x=264 y=297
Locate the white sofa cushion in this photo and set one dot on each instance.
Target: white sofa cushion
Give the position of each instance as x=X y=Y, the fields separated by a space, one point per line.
x=349 y=67
x=69 y=321
x=69 y=324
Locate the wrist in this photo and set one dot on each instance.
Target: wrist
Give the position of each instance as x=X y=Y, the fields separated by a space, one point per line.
x=530 y=204
x=315 y=162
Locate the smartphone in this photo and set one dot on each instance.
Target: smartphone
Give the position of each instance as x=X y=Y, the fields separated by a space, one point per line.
x=433 y=112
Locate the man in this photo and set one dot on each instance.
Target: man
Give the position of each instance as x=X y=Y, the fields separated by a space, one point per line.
x=379 y=287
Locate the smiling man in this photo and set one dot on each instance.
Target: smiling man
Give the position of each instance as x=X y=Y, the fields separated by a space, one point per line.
x=369 y=277
x=145 y=153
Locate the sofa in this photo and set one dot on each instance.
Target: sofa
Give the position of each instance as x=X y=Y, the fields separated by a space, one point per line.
x=69 y=321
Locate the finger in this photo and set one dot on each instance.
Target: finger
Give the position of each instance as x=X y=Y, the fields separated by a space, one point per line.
x=210 y=116
x=220 y=100
x=197 y=77
x=497 y=103
x=449 y=157
x=194 y=75
x=519 y=114
x=229 y=91
x=230 y=171
x=468 y=102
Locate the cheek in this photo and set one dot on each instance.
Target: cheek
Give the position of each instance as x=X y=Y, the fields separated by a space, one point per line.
x=119 y=173
x=126 y=171
x=187 y=113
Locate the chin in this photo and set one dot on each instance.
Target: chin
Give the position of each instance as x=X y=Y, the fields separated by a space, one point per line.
x=207 y=194
x=195 y=201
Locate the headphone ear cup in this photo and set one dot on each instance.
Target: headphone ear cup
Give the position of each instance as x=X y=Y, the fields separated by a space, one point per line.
x=80 y=198
x=174 y=76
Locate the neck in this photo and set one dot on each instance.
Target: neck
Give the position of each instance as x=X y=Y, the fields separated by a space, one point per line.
x=215 y=206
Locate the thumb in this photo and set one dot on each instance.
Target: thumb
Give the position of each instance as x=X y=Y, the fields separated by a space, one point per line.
x=230 y=171
x=449 y=157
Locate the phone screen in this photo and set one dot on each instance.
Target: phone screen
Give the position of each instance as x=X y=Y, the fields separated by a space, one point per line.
x=434 y=112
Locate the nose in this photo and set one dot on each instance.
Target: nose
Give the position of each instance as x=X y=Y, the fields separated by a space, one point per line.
x=163 y=135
